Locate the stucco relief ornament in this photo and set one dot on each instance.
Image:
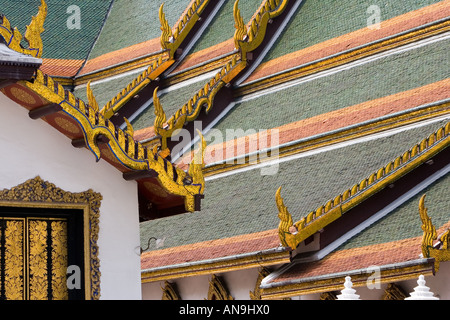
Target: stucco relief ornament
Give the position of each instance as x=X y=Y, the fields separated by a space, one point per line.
x=422 y=292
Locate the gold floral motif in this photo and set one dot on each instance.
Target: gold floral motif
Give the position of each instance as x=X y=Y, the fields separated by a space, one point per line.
x=14 y=259
x=59 y=260
x=37 y=262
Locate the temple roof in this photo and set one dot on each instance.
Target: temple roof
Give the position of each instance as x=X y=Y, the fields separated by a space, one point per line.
x=341 y=103
x=66 y=48
x=236 y=208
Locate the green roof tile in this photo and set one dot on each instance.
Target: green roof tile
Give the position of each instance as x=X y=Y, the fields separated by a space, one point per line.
x=106 y=90
x=222 y=27
x=133 y=22
x=318 y=21
x=404 y=222
x=59 y=41
x=244 y=203
x=171 y=101
x=380 y=78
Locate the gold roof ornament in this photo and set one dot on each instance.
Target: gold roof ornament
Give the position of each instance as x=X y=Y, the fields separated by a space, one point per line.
x=91 y=98
x=241 y=28
x=248 y=38
x=286 y=221
x=129 y=129
x=33 y=33
x=35 y=28
x=165 y=28
x=439 y=251
x=121 y=150
x=350 y=198
x=429 y=231
x=196 y=166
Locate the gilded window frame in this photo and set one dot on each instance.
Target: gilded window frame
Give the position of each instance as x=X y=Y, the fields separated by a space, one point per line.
x=37 y=193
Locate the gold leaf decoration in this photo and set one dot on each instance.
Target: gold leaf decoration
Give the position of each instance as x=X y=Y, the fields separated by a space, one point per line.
x=429 y=231
x=285 y=218
x=91 y=98
x=130 y=129
x=241 y=29
x=165 y=28
x=35 y=28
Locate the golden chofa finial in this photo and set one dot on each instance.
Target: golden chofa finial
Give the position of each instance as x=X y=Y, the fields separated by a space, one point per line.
x=429 y=231
x=285 y=217
x=129 y=129
x=91 y=98
x=159 y=112
x=241 y=28
x=34 y=30
x=165 y=28
x=198 y=162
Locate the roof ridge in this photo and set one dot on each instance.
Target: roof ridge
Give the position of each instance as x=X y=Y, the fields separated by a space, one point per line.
x=170 y=39
x=131 y=154
x=96 y=39
x=335 y=208
x=246 y=39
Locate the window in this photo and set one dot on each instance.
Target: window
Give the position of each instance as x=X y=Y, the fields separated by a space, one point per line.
x=48 y=243
x=37 y=246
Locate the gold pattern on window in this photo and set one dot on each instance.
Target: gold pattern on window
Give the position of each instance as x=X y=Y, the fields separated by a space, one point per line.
x=25 y=242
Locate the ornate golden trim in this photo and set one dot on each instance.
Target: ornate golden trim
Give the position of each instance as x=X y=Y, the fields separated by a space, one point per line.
x=394 y=292
x=256 y=294
x=203 y=99
x=238 y=263
x=248 y=40
x=217 y=290
x=170 y=41
x=169 y=292
x=441 y=252
x=37 y=193
x=33 y=32
x=245 y=41
x=334 y=208
x=341 y=136
x=126 y=150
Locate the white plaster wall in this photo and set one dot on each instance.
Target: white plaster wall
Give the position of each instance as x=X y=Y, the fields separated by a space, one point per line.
x=29 y=148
